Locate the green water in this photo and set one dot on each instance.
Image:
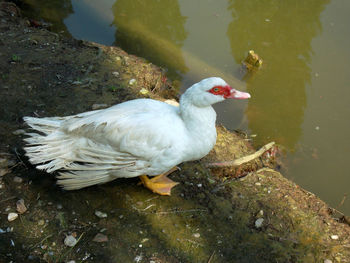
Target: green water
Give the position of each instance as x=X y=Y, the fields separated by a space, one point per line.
x=300 y=96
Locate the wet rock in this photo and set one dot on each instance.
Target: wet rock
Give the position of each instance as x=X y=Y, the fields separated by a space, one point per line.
x=20 y=206
x=100 y=238
x=259 y=222
x=100 y=214
x=12 y=216
x=70 y=241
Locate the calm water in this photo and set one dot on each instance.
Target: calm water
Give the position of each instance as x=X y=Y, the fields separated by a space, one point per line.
x=300 y=98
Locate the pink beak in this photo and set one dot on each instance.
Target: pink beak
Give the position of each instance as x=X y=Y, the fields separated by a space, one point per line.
x=236 y=94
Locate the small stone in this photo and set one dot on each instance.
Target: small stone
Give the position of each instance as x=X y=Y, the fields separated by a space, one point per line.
x=100 y=238
x=41 y=222
x=196 y=235
x=100 y=214
x=132 y=81
x=327 y=261
x=115 y=74
x=99 y=106
x=259 y=222
x=138 y=258
x=12 y=216
x=70 y=241
x=71 y=261
x=258 y=184
x=144 y=91
x=199 y=185
x=317 y=128
x=20 y=206
x=59 y=206
x=17 y=180
x=334 y=237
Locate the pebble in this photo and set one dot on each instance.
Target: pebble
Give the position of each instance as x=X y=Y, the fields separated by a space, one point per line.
x=196 y=235
x=115 y=74
x=12 y=216
x=144 y=91
x=327 y=261
x=259 y=222
x=100 y=214
x=99 y=106
x=138 y=258
x=100 y=238
x=41 y=222
x=258 y=184
x=334 y=237
x=20 y=206
x=70 y=241
x=17 y=180
x=132 y=81
x=59 y=206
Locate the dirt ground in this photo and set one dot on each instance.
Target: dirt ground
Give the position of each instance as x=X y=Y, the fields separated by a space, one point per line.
x=249 y=213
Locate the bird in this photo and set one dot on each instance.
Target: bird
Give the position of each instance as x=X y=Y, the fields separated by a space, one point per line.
x=138 y=138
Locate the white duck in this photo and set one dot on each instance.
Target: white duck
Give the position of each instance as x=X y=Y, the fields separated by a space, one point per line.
x=134 y=138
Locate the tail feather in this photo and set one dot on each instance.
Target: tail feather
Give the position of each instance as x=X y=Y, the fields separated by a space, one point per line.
x=84 y=162
x=80 y=179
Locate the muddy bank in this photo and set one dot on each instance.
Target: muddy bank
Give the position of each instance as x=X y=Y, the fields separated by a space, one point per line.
x=212 y=216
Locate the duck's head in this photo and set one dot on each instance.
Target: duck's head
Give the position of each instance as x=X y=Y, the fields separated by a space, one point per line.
x=212 y=90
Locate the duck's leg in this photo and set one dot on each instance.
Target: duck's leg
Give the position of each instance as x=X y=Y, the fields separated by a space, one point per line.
x=160 y=184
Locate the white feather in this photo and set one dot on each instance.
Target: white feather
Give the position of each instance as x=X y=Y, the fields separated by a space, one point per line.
x=133 y=138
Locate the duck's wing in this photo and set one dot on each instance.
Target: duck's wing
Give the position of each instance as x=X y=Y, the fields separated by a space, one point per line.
x=141 y=129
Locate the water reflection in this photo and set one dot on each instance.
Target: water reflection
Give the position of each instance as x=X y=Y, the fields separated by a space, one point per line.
x=152 y=29
x=54 y=11
x=276 y=109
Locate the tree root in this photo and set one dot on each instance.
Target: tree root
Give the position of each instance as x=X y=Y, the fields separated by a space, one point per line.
x=244 y=159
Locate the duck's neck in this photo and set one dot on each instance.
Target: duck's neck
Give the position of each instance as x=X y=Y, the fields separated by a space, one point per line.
x=200 y=124
x=194 y=116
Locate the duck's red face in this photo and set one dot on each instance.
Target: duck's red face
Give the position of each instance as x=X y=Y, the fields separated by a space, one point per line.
x=229 y=93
